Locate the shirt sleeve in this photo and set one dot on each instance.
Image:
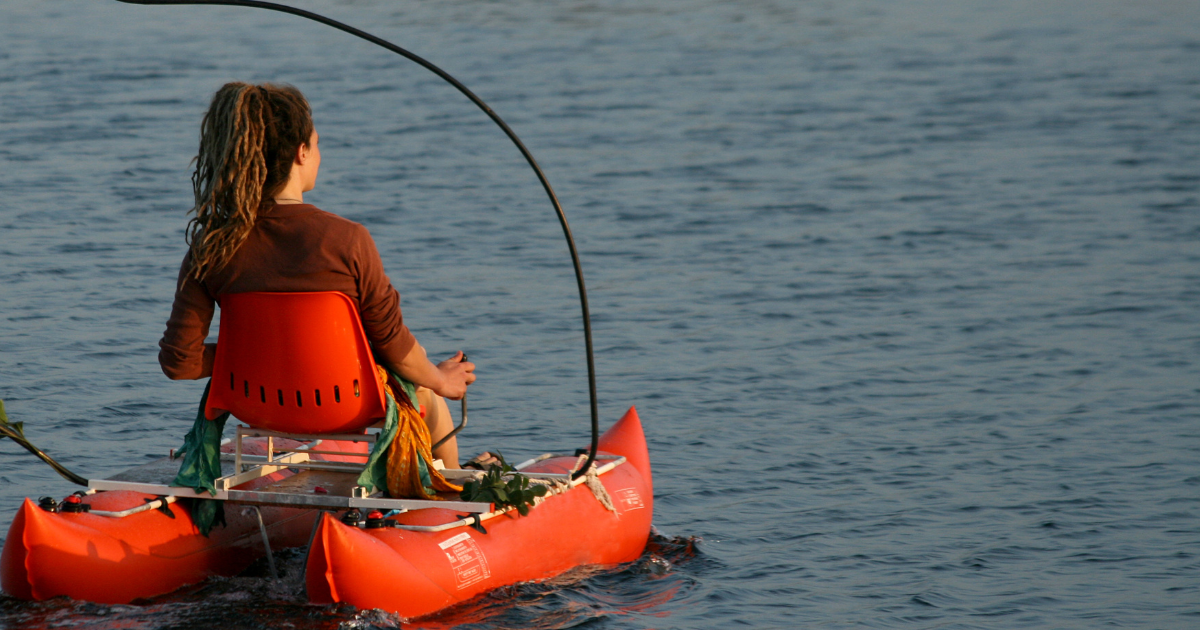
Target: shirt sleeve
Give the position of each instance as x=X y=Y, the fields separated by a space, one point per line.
x=379 y=305
x=182 y=352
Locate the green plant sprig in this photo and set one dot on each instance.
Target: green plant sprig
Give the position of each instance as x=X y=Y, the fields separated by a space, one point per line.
x=514 y=492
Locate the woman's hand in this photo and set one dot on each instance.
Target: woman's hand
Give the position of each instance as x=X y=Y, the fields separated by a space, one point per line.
x=448 y=379
x=456 y=374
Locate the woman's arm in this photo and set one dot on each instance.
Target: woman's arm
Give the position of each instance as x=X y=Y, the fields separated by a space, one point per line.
x=448 y=379
x=182 y=351
x=394 y=345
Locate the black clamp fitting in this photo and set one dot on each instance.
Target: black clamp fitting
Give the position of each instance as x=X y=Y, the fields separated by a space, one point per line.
x=74 y=504
x=375 y=520
x=475 y=523
x=353 y=518
x=164 y=507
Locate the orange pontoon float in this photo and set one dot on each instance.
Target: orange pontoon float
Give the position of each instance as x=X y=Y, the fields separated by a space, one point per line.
x=425 y=560
x=120 y=545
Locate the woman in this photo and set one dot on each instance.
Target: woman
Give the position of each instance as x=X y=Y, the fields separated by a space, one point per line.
x=252 y=231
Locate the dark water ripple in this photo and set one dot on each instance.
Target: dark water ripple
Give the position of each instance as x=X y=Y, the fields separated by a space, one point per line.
x=906 y=293
x=253 y=600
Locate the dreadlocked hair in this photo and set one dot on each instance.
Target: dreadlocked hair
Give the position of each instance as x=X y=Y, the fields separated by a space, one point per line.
x=248 y=140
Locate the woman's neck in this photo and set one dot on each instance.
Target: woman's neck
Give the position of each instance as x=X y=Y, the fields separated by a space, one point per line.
x=289 y=194
x=292 y=192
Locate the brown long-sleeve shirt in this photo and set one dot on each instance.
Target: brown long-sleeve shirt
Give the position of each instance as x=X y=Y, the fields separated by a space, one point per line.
x=292 y=248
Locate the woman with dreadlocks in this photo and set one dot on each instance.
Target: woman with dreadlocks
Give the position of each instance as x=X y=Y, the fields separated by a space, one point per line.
x=252 y=232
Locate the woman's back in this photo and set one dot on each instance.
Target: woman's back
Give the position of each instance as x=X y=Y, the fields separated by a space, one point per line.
x=291 y=248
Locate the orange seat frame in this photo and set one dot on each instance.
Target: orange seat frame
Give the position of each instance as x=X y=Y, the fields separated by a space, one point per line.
x=294 y=362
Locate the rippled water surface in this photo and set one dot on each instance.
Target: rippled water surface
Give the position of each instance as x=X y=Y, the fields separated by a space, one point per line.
x=907 y=293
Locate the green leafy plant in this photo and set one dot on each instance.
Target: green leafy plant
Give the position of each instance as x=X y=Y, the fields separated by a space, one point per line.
x=516 y=491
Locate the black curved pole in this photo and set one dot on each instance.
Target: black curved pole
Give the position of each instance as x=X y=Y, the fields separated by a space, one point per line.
x=16 y=432
x=562 y=217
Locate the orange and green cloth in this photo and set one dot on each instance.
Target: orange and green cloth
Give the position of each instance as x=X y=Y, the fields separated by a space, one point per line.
x=402 y=459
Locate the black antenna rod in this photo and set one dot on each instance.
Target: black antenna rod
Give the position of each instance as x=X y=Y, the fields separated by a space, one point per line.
x=562 y=217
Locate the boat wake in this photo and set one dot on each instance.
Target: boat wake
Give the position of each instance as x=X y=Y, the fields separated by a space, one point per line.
x=639 y=589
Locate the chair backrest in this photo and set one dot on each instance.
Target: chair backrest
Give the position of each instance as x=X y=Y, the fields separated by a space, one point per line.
x=294 y=362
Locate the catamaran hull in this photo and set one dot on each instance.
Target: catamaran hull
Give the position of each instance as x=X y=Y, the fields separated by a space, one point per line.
x=415 y=573
x=117 y=560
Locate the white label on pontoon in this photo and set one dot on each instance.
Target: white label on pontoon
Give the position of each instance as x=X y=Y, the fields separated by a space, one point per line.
x=466 y=560
x=630 y=498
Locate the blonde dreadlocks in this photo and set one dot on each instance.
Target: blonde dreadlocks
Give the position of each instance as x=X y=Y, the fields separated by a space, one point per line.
x=248 y=139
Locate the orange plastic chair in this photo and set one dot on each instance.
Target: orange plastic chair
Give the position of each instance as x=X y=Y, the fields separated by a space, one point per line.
x=294 y=362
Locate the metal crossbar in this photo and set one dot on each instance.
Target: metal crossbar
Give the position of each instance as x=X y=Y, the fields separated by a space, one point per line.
x=320 y=485
x=338 y=489
x=298 y=457
x=285 y=499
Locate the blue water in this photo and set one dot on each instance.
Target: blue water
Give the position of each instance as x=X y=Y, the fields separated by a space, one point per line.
x=906 y=293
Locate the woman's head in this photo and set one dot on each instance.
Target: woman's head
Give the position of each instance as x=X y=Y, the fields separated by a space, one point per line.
x=249 y=139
